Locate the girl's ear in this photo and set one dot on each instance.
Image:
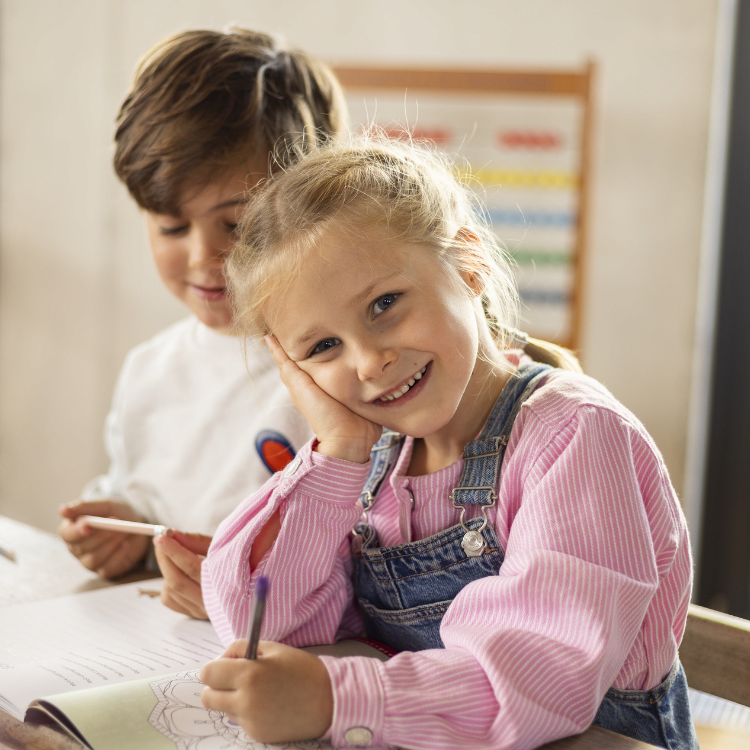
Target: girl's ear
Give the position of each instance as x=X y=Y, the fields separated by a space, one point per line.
x=472 y=266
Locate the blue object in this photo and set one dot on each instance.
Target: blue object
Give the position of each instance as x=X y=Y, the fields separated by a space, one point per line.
x=256 y=617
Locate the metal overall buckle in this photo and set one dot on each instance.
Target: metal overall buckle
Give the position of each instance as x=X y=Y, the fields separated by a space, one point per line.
x=363 y=532
x=473 y=543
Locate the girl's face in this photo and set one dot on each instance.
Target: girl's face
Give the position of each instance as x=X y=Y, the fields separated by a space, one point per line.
x=384 y=329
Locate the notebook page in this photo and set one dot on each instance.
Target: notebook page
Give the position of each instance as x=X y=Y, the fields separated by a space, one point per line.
x=101 y=637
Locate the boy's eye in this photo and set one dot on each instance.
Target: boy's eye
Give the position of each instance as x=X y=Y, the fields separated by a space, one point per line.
x=172 y=231
x=324 y=346
x=381 y=304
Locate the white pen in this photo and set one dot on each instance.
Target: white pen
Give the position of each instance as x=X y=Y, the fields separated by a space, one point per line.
x=127 y=527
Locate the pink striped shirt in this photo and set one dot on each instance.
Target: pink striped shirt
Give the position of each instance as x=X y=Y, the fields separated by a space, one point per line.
x=593 y=591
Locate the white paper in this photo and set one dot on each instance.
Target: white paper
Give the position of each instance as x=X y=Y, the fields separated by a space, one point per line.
x=100 y=637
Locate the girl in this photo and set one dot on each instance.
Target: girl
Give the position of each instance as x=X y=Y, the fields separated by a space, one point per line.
x=515 y=534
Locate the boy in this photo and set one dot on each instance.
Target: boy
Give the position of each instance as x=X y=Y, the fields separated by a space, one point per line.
x=189 y=435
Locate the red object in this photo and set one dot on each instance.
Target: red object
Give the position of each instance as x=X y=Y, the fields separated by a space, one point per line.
x=274 y=450
x=384 y=648
x=529 y=139
x=437 y=135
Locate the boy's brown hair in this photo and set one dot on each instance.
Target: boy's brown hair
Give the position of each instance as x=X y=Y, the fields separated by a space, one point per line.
x=205 y=101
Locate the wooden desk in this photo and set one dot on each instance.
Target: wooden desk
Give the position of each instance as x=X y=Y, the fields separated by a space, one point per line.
x=44 y=568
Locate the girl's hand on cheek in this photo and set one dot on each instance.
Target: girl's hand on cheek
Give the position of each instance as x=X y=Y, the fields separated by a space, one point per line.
x=341 y=433
x=283 y=696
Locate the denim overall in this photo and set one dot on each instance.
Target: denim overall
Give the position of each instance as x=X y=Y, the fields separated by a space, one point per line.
x=403 y=591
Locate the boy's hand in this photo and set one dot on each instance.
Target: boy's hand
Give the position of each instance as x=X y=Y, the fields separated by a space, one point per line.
x=341 y=433
x=180 y=557
x=283 y=696
x=108 y=553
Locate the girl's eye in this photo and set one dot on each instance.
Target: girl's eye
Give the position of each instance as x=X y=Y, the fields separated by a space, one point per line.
x=230 y=227
x=324 y=346
x=381 y=304
x=172 y=231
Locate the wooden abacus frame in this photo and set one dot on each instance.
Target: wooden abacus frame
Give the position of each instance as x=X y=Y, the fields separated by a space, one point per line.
x=575 y=84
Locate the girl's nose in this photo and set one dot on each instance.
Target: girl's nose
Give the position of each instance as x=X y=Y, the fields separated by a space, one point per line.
x=373 y=361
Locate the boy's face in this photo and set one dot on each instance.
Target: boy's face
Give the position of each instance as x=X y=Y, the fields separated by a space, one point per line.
x=190 y=249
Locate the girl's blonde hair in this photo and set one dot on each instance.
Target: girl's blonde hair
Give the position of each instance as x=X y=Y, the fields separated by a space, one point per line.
x=412 y=191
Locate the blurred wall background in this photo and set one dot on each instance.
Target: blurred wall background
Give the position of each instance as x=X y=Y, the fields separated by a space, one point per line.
x=77 y=288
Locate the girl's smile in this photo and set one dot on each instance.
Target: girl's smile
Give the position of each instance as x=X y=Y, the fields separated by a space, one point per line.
x=405 y=391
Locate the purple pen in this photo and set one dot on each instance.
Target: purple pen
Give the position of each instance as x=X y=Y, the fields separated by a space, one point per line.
x=256 y=617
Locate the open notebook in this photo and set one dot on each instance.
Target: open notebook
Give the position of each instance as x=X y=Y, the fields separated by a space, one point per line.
x=117 y=670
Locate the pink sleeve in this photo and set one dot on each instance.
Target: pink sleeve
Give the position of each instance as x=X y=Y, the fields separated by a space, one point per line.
x=310 y=597
x=530 y=653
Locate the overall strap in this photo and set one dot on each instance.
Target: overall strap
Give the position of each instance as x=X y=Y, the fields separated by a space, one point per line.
x=383 y=456
x=482 y=461
x=483 y=457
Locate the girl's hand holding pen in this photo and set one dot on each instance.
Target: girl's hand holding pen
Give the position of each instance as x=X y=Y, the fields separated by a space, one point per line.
x=108 y=553
x=284 y=695
x=340 y=432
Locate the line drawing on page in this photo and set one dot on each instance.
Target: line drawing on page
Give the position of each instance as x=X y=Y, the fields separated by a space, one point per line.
x=180 y=716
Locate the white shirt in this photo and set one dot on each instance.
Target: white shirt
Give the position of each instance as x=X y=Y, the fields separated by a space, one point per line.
x=181 y=435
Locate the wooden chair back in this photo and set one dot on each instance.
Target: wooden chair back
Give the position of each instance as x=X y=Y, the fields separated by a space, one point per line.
x=715 y=653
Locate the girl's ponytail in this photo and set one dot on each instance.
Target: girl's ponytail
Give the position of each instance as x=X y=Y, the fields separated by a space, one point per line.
x=552 y=354
x=542 y=351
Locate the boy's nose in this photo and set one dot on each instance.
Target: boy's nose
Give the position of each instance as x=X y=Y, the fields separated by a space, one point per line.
x=204 y=249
